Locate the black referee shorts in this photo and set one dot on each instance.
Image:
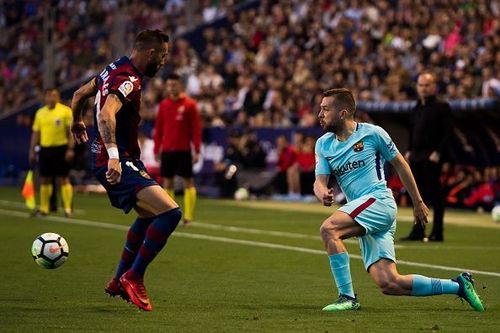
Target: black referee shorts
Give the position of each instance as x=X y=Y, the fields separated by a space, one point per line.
x=52 y=163
x=176 y=163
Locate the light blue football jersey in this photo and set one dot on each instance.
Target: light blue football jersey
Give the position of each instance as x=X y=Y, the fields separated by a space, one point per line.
x=358 y=162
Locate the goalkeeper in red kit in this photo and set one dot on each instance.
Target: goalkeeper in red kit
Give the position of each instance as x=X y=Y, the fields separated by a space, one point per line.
x=177 y=141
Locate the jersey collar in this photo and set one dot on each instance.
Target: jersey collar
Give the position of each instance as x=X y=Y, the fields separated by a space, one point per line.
x=127 y=59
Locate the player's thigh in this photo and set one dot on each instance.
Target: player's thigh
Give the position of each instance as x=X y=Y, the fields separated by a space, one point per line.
x=342 y=226
x=155 y=200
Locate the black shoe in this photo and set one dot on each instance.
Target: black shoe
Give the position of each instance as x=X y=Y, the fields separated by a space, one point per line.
x=435 y=238
x=412 y=238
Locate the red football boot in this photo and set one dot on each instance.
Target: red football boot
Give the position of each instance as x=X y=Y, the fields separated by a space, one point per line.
x=114 y=288
x=136 y=292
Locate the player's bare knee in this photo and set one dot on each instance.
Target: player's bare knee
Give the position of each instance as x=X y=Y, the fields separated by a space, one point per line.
x=328 y=230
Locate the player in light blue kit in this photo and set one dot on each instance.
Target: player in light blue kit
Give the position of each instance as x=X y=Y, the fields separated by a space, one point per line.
x=355 y=154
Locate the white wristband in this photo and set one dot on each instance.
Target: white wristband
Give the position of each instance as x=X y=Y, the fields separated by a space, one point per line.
x=113 y=153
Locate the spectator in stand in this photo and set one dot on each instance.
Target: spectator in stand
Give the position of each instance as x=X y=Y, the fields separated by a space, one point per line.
x=429 y=137
x=177 y=142
x=306 y=162
x=286 y=158
x=280 y=46
x=482 y=195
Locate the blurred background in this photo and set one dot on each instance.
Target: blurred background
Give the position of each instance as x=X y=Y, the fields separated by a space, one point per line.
x=257 y=70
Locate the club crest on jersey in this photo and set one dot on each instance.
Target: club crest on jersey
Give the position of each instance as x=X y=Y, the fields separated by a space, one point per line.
x=144 y=174
x=358 y=146
x=126 y=88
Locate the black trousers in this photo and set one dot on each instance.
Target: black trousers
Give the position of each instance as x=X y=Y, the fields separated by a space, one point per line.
x=427 y=176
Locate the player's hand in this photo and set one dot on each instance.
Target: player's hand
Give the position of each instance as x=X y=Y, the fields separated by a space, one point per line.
x=32 y=158
x=328 y=197
x=434 y=157
x=114 y=173
x=79 y=131
x=196 y=158
x=420 y=211
x=70 y=154
x=407 y=156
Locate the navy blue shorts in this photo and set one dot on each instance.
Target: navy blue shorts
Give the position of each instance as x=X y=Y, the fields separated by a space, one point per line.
x=135 y=177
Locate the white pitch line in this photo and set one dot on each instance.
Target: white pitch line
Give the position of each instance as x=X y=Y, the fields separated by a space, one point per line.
x=264 y=232
x=104 y=225
x=22 y=205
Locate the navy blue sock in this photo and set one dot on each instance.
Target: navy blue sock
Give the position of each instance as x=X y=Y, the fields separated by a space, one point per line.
x=135 y=237
x=156 y=237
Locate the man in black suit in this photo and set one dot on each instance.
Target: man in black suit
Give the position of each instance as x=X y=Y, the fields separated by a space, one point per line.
x=431 y=129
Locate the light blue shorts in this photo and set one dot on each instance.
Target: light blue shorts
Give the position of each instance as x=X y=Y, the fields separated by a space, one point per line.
x=376 y=212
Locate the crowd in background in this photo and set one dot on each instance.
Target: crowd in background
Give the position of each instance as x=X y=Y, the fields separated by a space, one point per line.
x=269 y=66
x=463 y=186
x=83 y=37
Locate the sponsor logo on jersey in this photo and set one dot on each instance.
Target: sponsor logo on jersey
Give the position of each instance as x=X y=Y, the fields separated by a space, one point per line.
x=144 y=174
x=95 y=147
x=126 y=88
x=133 y=78
x=349 y=166
x=358 y=146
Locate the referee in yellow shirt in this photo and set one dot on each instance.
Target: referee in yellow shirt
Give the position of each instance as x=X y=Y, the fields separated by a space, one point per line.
x=51 y=131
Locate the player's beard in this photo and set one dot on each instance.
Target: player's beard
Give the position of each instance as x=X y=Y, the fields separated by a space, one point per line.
x=151 y=69
x=333 y=127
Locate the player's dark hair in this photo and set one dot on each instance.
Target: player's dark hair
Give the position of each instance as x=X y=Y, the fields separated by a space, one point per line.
x=342 y=99
x=148 y=39
x=173 y=76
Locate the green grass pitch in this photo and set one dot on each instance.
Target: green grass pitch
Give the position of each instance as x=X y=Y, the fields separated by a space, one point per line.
x=242 y=267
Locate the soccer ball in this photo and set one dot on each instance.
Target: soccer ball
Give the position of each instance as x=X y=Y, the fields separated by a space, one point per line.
x=495 y=213
x=241 y=194
x=50 y=250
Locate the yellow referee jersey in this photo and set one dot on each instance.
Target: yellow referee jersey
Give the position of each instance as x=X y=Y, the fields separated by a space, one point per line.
x=53 y=125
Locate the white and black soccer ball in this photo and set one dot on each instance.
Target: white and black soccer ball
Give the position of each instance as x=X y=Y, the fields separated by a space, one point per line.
x=50 y=250
x=241 y=194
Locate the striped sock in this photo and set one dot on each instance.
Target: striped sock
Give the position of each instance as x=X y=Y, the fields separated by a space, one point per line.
x=135 y=237
x=424 y=286
x=156 y=237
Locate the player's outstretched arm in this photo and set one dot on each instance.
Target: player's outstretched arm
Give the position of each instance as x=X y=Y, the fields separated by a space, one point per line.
x=403 y=169
x=106 y=122
x=80 y=96
x=321 y=190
